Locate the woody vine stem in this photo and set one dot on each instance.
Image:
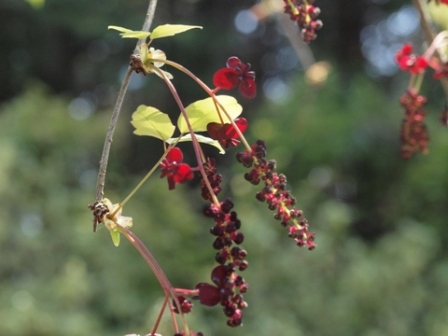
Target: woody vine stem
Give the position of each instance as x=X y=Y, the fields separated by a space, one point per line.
x=117 y=109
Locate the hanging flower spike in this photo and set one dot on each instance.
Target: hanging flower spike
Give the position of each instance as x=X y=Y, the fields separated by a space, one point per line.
x=414 y=133
x=407 y=61
x=173 y=168
x=236 y=74
x=275 y=193
x=226 y=133
x=304 y=14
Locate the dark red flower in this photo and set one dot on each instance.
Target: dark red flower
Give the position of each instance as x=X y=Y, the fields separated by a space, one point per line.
x=407 y=61
x=185 y=305
x=173 y=168
x=226 y=133
x=236 y=74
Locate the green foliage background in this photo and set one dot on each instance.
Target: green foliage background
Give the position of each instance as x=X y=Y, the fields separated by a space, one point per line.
x=380 y=267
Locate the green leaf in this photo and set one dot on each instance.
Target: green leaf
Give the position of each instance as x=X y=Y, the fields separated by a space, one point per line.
x=203 y=112
x=115 y=237
x=201 y=138
x=127 y=33
x=150 y=121
x=170 y=30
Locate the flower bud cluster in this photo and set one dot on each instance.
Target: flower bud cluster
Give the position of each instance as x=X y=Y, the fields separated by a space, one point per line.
x=275 y=193
x=185 y=305
x=228 y=284
x=414 y=133
x=304 y=14
x=213 y=178
x=227 y=233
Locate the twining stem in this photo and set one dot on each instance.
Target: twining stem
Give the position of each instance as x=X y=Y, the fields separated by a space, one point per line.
x=159 y=317
x=195 y=141
x=429 y=36
x=149 y=173
x=117 y=109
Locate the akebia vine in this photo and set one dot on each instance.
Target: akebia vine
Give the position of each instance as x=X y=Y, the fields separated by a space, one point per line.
x=414 y=132
x=215 y=120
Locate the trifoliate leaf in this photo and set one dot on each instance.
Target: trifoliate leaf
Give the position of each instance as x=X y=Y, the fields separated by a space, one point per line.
x=150 y=121
x=201 y=138
x=115 y=237
x=170 y=30
x=203 y=112
x=127 y=33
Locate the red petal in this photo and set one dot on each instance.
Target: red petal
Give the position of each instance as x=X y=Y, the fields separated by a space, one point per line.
x=208 y=294
x=175 y=154
x=407 y=49
x=226 y=78
x=233 y=62
x=247 y=88
x=183 y=173
x=171 y=182
x=230 y=133
x=218 y=275
x=214 y=129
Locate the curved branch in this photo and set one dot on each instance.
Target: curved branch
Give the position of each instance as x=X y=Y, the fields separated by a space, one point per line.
x=117 y=109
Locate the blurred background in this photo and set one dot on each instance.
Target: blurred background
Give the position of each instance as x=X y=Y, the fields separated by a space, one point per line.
x=330 y=116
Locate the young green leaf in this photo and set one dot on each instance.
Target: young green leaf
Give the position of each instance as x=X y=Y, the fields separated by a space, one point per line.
x=203 y=112
x=115 y=235
x=127 y=33
x=150 y=121
x=170 y=30
x=201 y=138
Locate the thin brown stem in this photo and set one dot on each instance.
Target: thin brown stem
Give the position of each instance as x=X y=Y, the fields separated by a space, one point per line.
x=117 y=109
x=156 y=269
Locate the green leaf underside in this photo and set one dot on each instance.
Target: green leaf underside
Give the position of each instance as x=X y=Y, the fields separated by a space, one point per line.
x=201 y=138
x=170 y=30
x=115 y=237
x=150 y=121
x=203 y=112
x=127 y=33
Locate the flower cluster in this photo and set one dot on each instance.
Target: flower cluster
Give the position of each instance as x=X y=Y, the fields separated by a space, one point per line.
x=236 y=74
x=213 y=178
x=275 y=193
x=414 y=134
x=304 y=14
x=185 y=305
x=228 y=284
x=173 y=168
x=407 y=61
x=226 y=133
